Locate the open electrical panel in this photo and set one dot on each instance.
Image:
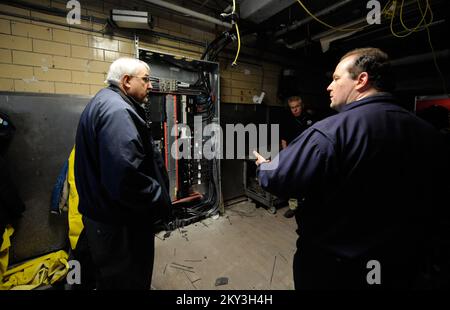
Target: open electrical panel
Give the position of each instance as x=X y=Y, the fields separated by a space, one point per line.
x=185 y=93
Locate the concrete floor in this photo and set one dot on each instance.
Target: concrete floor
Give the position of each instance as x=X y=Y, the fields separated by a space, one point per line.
x=249 y=246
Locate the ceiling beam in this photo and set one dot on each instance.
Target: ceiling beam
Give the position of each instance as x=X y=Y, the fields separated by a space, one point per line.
x=260 y=10
x=309 y=18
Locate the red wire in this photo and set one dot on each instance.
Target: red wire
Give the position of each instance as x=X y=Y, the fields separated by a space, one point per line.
x=176 y=139
x=166 y=146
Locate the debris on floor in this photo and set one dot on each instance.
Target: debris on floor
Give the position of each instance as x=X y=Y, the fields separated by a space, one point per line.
x=167 y=234
x=221 y=281
x=182 y=267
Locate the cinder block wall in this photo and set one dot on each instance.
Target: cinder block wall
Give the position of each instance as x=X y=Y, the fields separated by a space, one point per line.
x=40 y=52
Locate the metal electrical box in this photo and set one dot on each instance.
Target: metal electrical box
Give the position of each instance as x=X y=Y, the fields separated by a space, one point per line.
x=184 y=106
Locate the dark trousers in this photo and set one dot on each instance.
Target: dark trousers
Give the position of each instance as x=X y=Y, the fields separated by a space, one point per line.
x=82 y=254
x=122 y=255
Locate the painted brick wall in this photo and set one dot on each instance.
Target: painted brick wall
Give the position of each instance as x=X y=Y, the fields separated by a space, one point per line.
x=39 y=52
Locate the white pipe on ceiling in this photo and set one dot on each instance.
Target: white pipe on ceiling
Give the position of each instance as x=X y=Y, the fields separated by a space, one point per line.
x=194 y=14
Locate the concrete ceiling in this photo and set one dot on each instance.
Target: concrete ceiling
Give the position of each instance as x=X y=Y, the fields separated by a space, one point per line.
x=261 y=10
x=285 y=25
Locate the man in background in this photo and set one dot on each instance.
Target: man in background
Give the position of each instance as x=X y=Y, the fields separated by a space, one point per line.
x=295 y=123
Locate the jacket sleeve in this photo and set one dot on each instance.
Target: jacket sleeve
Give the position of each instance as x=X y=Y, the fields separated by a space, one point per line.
x=127 y=172
x=306 y=167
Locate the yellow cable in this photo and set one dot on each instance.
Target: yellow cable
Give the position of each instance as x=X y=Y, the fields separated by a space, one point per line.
x=239 y=45
x=410 y=31
x=425 y=26
x=431 y=13
x=392 y=28
x=444 y=83
x=421 y=21
x=325 y=24
x=385 y=8
x=238 y=36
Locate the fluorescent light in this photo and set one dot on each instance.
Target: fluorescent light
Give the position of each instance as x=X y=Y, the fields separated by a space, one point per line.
x=131 y=19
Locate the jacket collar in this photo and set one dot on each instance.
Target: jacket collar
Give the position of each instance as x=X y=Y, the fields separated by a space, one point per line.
x=377 y=98
x=130 y=100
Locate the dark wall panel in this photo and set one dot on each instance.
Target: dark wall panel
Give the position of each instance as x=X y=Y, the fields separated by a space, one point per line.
x=45 y=133
x=232 y=169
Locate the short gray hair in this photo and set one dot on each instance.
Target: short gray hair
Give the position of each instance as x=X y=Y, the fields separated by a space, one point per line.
x=296 y=98
x=122 y=66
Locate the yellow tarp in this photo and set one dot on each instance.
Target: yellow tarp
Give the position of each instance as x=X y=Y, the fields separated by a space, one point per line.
x=4 y=250
x=44 y=270
x=50 y=268
x=75 y=222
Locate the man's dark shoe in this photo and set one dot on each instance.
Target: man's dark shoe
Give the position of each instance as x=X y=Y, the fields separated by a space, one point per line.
x=289 y=213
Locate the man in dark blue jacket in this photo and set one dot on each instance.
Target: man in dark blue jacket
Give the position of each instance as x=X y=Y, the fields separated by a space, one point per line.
x=120 y=178
x=297 y=121
x=375 y=180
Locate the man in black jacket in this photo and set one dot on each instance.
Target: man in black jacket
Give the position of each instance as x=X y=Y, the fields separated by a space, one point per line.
x=120 y=178
x=375 y=182
x=297 y=121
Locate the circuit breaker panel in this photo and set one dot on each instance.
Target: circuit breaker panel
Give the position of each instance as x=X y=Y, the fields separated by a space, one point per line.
x=184 y=100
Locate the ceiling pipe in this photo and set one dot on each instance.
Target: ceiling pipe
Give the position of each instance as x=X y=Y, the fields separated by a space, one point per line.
x=325 y=34
x=414 y=59
x=185 y=11
x=309 y=18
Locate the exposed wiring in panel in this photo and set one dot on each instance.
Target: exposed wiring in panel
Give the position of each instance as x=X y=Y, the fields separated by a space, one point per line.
x=194 y=181
x=190 y=205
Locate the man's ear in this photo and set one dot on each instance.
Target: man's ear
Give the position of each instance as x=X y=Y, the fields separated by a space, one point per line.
x=362 y=81
x=125 y=81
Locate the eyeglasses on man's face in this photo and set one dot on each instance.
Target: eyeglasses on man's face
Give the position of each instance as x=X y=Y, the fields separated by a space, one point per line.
x=145 y=78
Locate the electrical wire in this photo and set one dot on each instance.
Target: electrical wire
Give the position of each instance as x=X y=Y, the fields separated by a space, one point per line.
x=216 y=46
x=185 y=213
x=421 y=21
x=327 y=25
x=239 y=46
x=409 y=31
x=389 y=11
x=237 y=34
x=444 y=83
x=416 y=28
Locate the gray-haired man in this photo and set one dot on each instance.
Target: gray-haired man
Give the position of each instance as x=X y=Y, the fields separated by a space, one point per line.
x=121 y=181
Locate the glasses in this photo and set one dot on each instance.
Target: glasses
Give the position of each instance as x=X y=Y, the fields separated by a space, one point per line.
x=146 y=79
